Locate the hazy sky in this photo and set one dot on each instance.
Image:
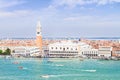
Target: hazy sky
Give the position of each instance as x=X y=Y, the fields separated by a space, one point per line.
x=60 y=18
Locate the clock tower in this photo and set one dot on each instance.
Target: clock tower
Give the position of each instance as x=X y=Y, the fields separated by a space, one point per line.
x=39 y=36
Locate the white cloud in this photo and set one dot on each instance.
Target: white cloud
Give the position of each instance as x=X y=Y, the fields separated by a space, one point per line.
x=15 y=13
x=6 y=4
x=74 y=3
x=94 y=21
x=81 y=18
x=10 y=3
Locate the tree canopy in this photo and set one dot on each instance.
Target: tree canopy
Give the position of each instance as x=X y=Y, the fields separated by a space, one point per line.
x=6 y=52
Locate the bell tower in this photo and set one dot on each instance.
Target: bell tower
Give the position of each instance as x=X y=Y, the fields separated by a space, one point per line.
x=39 y=36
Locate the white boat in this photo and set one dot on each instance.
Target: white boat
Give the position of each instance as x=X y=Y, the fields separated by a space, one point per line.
x=45 y=76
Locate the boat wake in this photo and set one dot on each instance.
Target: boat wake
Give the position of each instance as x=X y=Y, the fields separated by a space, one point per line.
x=59 y=65
x=61 y=75
x=89 y=70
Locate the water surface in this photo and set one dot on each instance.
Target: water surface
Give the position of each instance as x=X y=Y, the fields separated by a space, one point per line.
x=58 y=69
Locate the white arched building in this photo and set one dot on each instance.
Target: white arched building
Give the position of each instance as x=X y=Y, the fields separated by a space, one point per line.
x=26 y=51
x=70 y=49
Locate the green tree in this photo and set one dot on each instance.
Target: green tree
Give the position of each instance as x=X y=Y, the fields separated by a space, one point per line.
x=1 y=52
x=7 y=51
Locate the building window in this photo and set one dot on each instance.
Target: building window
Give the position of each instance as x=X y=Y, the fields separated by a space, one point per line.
x=82 y=52
x=51 y=47
x=67 y=47
x=60 y=48
x=64 y=49
x=56 y=47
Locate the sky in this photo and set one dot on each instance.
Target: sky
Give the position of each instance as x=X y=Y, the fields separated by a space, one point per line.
x=60 y=18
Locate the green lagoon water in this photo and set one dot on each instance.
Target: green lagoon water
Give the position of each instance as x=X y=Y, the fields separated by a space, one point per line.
x=59 y=69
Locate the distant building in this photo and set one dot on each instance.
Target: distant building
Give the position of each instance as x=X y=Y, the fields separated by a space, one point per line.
x=105 y=51
x=26 y=51
x=91 y=53
x=116 y=52
x=45 y=51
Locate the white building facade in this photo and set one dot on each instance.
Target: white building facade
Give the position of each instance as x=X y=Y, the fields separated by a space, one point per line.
x=105 y=51
x=26 y=51
x=91 y=53
x=63 y=49
x=71 y=49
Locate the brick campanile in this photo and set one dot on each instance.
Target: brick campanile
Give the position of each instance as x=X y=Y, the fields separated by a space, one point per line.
x=39 y=36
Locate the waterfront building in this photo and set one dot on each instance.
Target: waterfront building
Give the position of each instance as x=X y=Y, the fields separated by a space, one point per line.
x=116 y=52
x=63 y=49
x=39 y=36
x=69 y=49
x=45 y=51
x=91 y=53
x=26 y=51
x=105 y=51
